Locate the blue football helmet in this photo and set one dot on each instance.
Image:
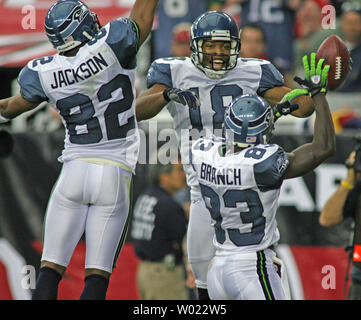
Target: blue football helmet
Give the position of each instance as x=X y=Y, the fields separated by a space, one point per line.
x=248 y=121
x=217 y=26
x=69 y=23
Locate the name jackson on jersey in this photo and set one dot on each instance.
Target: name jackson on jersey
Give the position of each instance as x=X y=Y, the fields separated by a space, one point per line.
x=97 y=108
x=85 y=70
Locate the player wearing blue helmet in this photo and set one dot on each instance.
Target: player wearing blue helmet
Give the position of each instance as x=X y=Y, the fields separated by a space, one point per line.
x=204 y=41
x=240 y=177
x=206 y=82
x=69 y=23
x=249 y=120
x=90 y=82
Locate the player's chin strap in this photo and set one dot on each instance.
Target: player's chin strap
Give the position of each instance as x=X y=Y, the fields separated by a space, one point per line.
x=285 y=106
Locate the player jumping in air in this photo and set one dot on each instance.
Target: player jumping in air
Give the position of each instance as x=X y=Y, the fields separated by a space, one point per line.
x=91 y=84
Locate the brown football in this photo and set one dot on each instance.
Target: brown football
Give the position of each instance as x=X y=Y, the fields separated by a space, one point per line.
x=336 y=54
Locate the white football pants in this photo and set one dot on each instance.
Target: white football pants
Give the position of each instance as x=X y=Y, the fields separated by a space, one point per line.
x=90 y=198
x=245 y=276
x=200 y=240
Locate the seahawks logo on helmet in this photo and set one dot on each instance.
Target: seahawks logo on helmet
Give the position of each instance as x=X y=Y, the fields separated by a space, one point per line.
x=69 y=23
x=79 y=15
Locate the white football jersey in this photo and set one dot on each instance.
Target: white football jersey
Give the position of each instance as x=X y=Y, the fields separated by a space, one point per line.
x=94 y=94
x=241 y=192
x=250 y=76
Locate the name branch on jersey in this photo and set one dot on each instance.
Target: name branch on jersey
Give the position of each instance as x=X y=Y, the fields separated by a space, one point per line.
x=241 y=192
x=84 y=71
x=225 y=176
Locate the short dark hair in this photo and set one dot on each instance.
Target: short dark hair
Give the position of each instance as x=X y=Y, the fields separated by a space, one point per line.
x=155 y=170
x=351 y=6
x=253 y=25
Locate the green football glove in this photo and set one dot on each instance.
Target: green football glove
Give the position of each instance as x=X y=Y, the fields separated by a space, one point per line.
x=315 y=75
x=285 y=106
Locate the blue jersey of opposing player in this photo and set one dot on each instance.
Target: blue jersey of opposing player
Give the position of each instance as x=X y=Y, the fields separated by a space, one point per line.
x=248 y=77
x=94 y=94
x=241 y=192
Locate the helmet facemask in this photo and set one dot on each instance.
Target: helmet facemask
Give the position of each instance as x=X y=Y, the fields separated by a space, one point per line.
x=198 y=54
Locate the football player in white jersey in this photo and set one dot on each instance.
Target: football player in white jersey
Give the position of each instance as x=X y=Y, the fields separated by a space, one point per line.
x=240 y=177
x=213 y=75
x=91 y=84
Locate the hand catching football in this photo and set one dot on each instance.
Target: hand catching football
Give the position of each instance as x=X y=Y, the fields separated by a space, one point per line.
x=337 y=56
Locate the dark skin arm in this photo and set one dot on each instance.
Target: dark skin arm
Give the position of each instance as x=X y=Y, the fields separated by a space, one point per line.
x=331 y=213
x=14 y=106
x=308 y=156
x=275 y=95
x=143 y=14
x=151 y=102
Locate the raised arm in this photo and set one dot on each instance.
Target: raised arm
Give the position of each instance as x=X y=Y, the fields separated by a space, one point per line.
x=276 y=94
x=272 y=89
x=143 y=14
x=310 y=155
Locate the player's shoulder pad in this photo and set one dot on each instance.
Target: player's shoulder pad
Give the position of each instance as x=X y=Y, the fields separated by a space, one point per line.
x=269 y=171
x=270 y=77
x=123 y=38
x=160 y=72
x=31 y=88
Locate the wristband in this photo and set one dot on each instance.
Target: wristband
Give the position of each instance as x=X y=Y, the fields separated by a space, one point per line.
x=165 y=95
x=346 y=185
x=3 y=119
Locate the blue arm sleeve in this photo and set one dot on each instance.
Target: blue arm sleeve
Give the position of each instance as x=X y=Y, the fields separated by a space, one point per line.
x=123 y=39
x=30 y=86
x=270 y=78
x=159 y=73
x=268 y=173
